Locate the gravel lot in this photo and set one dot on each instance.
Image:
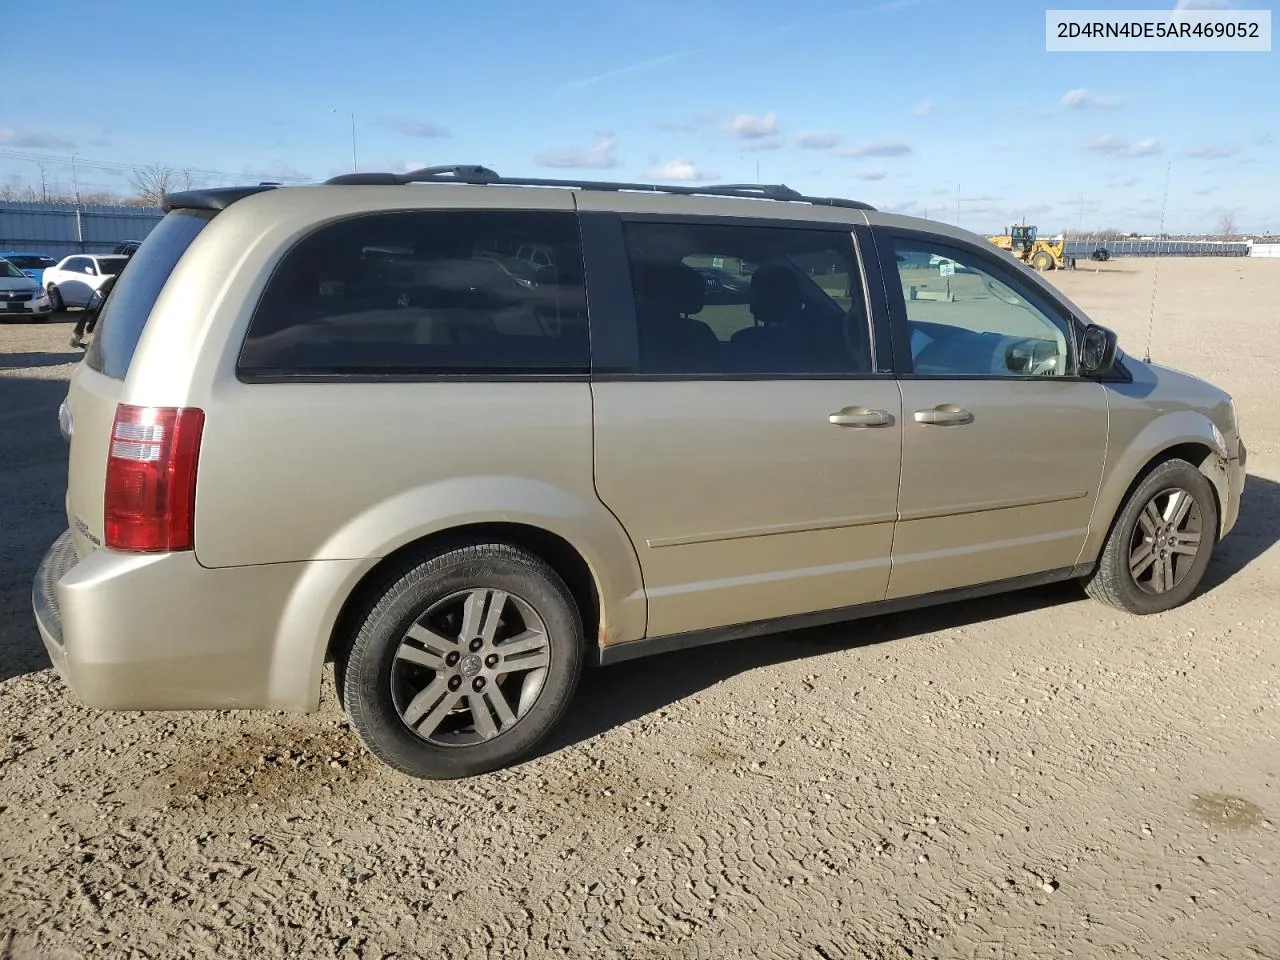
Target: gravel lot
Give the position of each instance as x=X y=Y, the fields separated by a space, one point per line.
x=1028 y=776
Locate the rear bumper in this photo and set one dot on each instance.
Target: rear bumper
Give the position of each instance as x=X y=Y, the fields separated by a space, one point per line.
x=59 y=559
x=161 y=632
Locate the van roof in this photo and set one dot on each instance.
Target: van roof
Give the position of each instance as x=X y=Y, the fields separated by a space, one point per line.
x=219 y=198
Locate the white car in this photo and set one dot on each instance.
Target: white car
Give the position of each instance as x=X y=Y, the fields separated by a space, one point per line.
x=72 y=281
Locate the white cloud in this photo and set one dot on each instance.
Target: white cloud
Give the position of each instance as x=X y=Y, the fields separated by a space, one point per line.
x=1213 y=152
x=599 y=157
x=1112 y=145
x=878 y=148
x=766 y=143
x=870 y=174
x=680 y=170
x=816 y=140
x=630 y=68
x=747 y=126
x=403 y=166
x=925 y=107
x=1204 y=5
x=34 y=140
x=1082 y=99
x=414 y=128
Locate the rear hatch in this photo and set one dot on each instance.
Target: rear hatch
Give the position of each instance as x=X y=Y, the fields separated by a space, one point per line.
x=98 y=382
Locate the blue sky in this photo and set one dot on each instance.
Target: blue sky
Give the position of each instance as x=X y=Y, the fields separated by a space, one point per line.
x=926 y=106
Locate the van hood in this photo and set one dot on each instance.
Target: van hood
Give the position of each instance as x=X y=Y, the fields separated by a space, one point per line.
x=1173 y=389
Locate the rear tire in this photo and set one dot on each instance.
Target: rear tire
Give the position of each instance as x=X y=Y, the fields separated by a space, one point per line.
x=462 y=662
x=1161 y=543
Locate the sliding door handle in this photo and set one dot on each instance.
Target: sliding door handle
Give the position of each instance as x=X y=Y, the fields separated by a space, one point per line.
x=944 y=415
x=861 y=417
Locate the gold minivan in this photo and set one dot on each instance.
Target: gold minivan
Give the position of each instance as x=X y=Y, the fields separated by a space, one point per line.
x=463 y=435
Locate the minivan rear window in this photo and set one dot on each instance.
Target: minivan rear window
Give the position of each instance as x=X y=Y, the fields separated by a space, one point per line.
x=124 y=316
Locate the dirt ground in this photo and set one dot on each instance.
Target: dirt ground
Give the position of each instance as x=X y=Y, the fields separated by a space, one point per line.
x=1028 y=776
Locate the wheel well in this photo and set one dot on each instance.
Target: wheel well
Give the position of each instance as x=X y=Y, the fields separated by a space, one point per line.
x=563 y=558
x=1194 y=453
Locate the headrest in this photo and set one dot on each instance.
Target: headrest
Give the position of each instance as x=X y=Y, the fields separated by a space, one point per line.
x=670 y=286
x=775 y=295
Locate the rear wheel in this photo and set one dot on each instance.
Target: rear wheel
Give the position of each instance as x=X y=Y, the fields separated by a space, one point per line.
x=1159 y=548
x=464 y=662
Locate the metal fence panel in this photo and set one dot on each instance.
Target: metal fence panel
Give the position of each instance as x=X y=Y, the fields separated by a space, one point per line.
x=1083 y=249
x=60 y=229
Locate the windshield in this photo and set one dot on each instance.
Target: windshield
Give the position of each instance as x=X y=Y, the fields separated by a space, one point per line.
x=7 y=269
x=111 y=264
x=124 y=315
x=31 y=262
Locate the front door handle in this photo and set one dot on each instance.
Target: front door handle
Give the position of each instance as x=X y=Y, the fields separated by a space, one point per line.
x=861 y=417
x=944 y=415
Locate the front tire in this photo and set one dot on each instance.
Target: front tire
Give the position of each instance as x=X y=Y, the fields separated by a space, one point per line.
x=463 y=662
x=1160 y=545
x=55 y=299
x=1042 y=262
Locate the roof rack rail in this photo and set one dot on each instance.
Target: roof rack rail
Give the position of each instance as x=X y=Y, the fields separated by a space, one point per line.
x=483 y=176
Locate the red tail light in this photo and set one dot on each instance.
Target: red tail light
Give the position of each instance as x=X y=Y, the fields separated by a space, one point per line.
x=150 y=501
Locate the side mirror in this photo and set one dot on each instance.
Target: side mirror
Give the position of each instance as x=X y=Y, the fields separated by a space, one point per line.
x=1097 y=351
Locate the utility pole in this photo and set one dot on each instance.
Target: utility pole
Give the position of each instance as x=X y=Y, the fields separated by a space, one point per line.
x=75 y=182
x=44 y=187
x=355 y=166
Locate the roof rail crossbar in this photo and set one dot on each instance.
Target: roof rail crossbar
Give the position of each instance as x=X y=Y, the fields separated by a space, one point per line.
x=367 y=180
x=468 y=171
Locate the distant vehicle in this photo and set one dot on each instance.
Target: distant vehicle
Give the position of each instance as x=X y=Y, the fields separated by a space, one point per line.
x=1021 y=240
x=20 y=295
x=32 y=264
x=724 y=287
x=73 y=279
x=128 y=248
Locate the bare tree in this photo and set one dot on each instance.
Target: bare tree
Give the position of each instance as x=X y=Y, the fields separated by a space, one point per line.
x=1227 y=225
x=152 y=182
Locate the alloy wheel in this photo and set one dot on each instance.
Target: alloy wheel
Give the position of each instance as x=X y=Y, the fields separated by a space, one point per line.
x=1165 y=540
x=470 y=668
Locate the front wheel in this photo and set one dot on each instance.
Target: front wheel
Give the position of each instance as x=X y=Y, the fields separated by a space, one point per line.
x=1042 y=262
x=55 y=299
x=1160 y=545
x=464 y=661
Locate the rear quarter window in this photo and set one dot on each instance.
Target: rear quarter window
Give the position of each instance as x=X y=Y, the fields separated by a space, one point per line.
x=480 y=293
x=125 y=314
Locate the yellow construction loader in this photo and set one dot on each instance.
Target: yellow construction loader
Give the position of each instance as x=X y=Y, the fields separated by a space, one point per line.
x=1022 y=242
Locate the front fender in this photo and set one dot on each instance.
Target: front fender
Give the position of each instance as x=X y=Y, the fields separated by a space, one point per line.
x=1130 y=450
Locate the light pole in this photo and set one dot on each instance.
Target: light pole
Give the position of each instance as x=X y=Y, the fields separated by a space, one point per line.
x=355 y=166
x=75 y=182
